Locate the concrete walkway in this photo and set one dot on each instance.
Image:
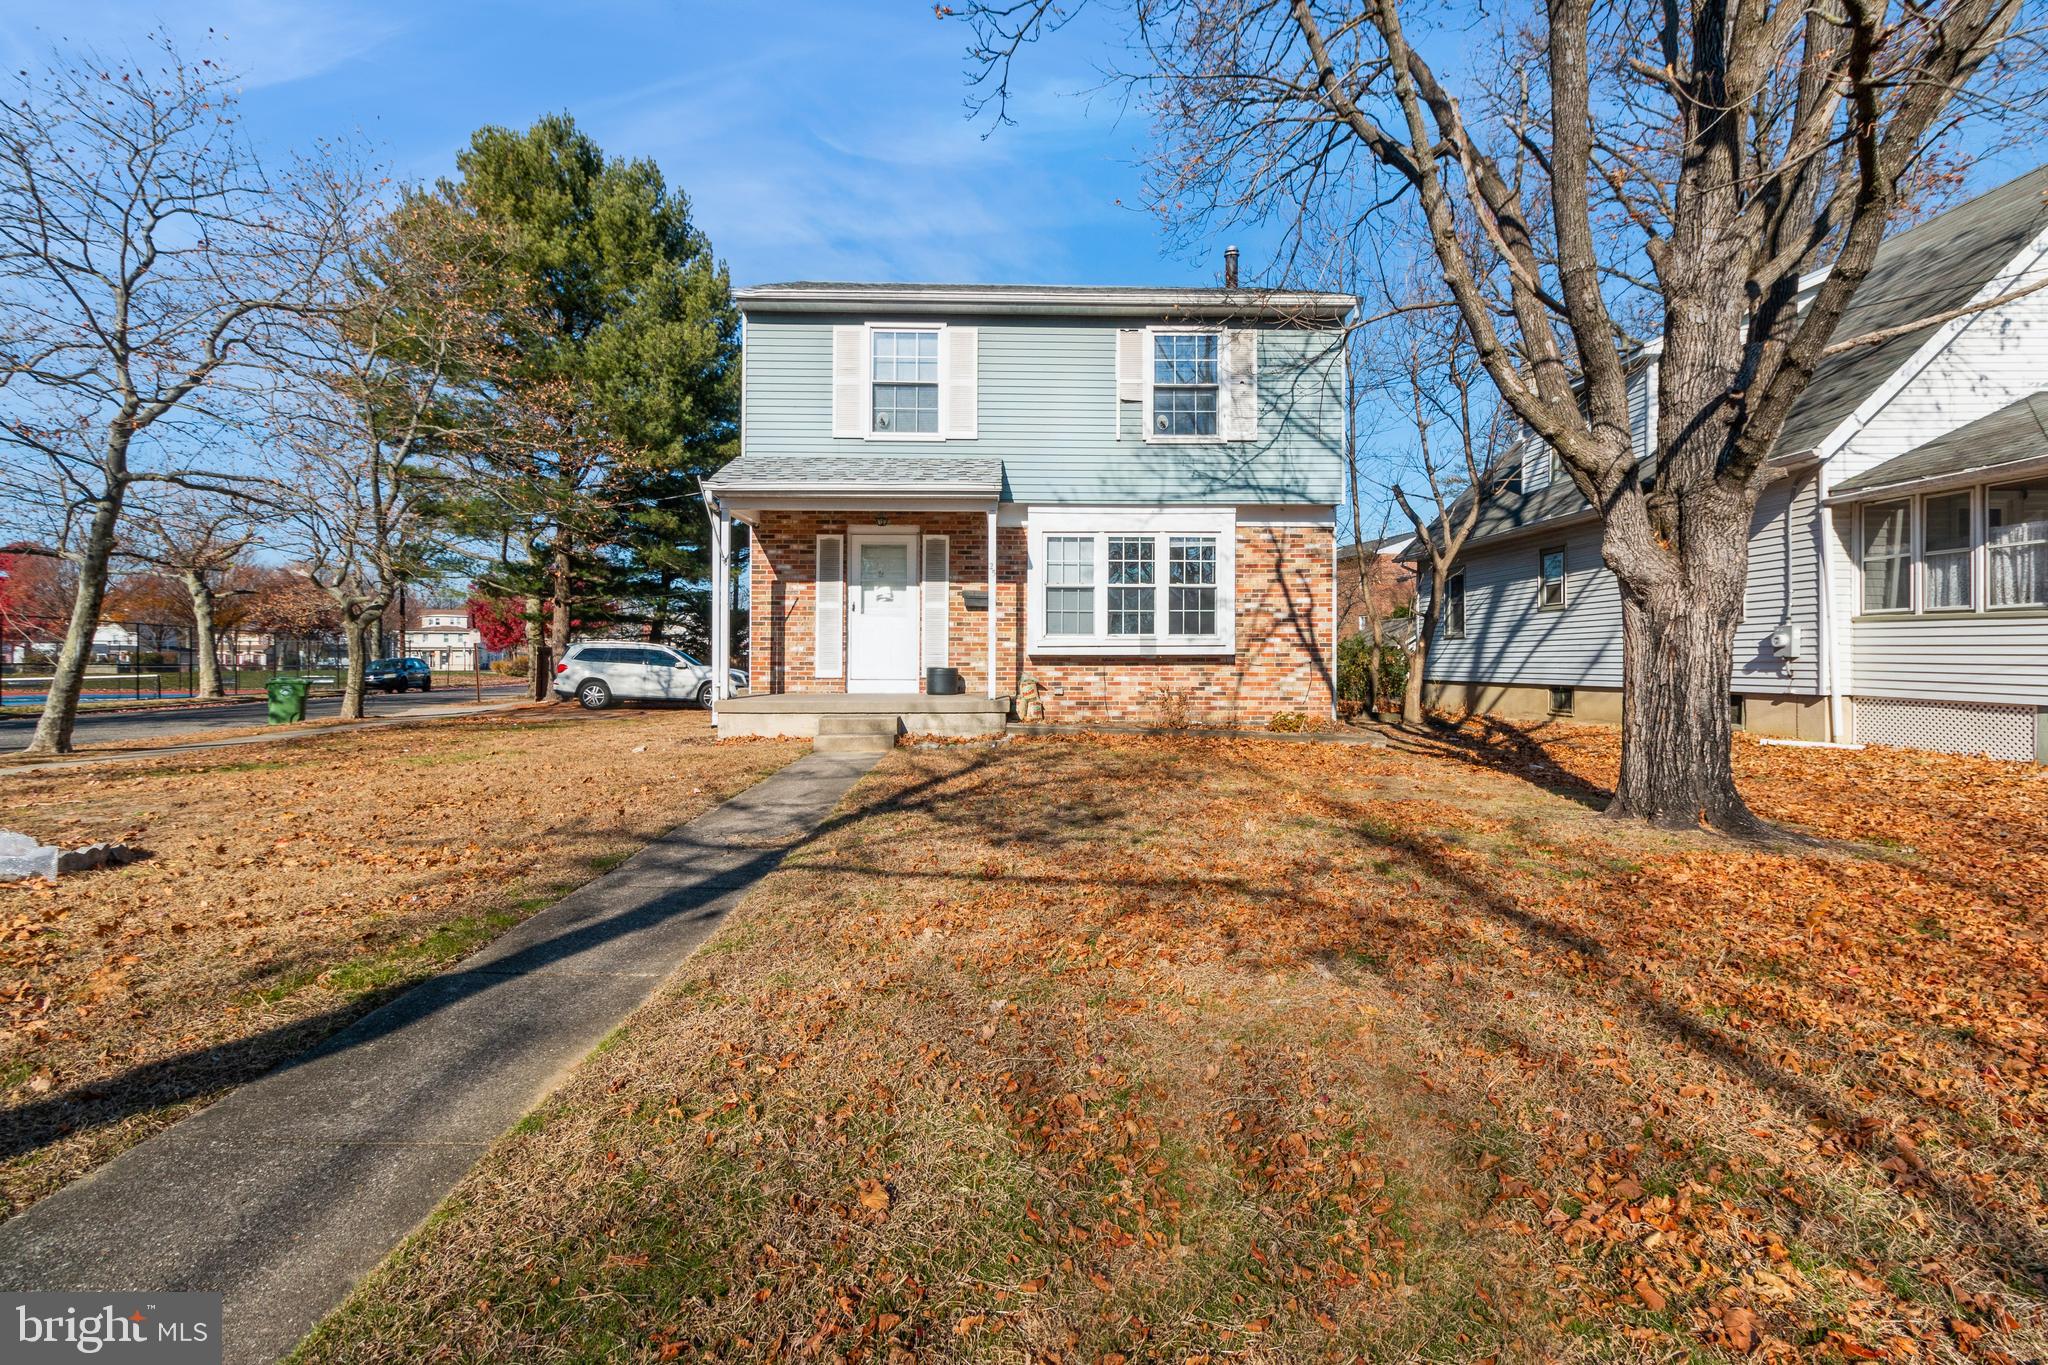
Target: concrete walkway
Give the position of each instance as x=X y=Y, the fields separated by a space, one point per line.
x=288 y=1191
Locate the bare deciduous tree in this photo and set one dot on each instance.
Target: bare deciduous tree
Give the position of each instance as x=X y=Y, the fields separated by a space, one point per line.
x=201 y=538
x=146 y=256
x=1724 y=170
x=386 y=391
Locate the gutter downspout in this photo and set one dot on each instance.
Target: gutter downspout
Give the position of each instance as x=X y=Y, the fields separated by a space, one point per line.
x=720 y=626
x=1829 y=665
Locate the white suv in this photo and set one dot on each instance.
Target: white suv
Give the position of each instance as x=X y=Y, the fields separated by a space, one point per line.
x=599 y=672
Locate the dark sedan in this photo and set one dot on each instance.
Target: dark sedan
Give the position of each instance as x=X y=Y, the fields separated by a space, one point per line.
x=398 y=675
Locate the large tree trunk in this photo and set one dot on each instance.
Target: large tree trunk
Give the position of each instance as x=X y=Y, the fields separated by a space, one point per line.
x=356 y=623
x=1418 y=663
x=1676 y=645
x=60 y=706
x=558 y=615
x=539 y=667
x=205 y=650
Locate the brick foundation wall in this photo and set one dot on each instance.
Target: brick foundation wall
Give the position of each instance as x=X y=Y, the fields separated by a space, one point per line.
x=1284 y=593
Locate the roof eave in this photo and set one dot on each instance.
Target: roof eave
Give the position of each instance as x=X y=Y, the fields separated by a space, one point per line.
x=1929 y=483
x=1318 y=307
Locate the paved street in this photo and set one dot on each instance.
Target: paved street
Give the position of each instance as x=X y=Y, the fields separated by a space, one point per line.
x=20 y=721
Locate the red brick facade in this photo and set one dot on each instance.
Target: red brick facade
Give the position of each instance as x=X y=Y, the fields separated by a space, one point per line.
x=1284 y=595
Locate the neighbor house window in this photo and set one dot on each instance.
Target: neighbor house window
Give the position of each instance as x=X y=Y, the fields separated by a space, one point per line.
x=1454 y=607
x=2016 y=532
x=1131 y=588
x=1184 y=383
x=1887 y=556
x=1191 y=590
x=1945 y=552
x=1069 y=585
x=1551 y=595
x=905 y=384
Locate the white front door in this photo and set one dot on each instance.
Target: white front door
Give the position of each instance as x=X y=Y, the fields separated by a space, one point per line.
x=881 y=627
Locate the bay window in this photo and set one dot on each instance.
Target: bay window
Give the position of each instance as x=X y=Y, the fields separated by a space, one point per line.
x=1157 y=585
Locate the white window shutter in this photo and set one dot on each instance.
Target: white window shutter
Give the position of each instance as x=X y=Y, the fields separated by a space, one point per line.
x=827 y=656
x=963 y=381
x=937 y=591
x=1130 y=377
x=849 y=381
x=1240 y=384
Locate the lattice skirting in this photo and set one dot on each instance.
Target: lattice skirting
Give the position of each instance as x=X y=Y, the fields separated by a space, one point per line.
x=1951 y=727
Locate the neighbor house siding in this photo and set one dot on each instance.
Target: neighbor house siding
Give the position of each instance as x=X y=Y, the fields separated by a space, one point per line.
x=1048 y=409
x=1509 y=640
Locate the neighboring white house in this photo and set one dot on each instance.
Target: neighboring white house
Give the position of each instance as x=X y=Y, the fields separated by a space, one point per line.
x=1898 y=570
x=445 y=638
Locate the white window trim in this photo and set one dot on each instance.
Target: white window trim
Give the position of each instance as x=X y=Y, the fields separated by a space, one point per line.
x=1163 y=523
x=1977 y=554
x=867 y=382
x=1222 y=345
x=1981 y=584
x=1564 y=577
x=1444 y=623
x=1912 y=558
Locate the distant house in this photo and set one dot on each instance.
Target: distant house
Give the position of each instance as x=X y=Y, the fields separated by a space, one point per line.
x=1111 y=499
x=1388 y=586
x=445 y=638
x=1898 y=565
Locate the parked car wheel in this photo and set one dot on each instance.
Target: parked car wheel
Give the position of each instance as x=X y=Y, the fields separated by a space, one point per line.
x=426 y=684
x=704 y=693
x=594 y=695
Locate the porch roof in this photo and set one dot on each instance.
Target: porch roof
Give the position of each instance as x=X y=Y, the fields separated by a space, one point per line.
x=2015 y=434
x=863 y=476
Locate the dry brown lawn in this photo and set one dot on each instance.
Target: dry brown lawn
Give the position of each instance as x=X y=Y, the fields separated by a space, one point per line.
x=1158 y=1049
x=292 y=888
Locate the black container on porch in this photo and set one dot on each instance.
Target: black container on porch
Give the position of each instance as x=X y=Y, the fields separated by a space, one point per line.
x=942 y=682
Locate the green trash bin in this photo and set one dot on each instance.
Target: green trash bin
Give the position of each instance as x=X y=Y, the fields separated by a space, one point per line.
x=287 y=700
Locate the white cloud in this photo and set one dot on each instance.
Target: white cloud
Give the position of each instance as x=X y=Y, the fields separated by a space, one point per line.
x=263 y=41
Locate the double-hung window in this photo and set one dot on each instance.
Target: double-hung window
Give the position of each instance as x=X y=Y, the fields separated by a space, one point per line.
x=1144 y=589
x=1070 y=585
x=905 y=382
x=1132 y=585
x=1888 y=556
x=1454 y=607
x=2016 y=535
x=1185 y=383
x=1550 y=596
x=1945 y=552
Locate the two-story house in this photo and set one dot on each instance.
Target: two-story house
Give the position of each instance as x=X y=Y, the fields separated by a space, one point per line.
x=1898 y=559
x=446 y=639
x=1112 y=504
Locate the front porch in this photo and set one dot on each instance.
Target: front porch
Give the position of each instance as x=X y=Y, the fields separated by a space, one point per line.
x=797 y=715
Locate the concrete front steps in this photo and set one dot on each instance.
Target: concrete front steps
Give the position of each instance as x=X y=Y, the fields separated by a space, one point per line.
x=837 y=721
x=854 y=735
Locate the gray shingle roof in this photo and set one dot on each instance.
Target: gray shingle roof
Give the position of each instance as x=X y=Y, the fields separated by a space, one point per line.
x=1923 y=271
x=1079 y=299
x=2017 y=431
x=783 y=473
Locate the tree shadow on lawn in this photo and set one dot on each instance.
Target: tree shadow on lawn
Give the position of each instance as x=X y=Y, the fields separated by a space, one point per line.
x=1015 y=809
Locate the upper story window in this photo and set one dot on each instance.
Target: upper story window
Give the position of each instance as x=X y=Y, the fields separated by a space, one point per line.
x=1185 y=383
x=905 y=382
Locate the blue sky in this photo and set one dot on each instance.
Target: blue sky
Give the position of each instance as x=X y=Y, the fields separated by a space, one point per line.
x=815 y=140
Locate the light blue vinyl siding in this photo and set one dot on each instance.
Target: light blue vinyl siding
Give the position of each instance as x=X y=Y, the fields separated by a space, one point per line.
x=1509 y=641
x=1048 y=409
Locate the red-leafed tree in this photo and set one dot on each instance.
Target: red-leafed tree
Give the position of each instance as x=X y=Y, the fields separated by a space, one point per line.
x=499 y=624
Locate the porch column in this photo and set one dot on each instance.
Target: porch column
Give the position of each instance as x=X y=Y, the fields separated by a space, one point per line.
x=721 y=606
x=991 y=603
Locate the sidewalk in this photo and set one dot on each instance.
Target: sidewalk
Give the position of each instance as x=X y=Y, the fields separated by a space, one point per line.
x=288 y=1191
x=282 y=735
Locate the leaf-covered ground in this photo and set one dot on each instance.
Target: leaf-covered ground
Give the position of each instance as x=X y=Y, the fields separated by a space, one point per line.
x=292 y=888
x=1160 y=1049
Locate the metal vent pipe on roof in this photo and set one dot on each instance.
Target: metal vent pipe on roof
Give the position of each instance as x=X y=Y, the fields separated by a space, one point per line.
x=1230 y=267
